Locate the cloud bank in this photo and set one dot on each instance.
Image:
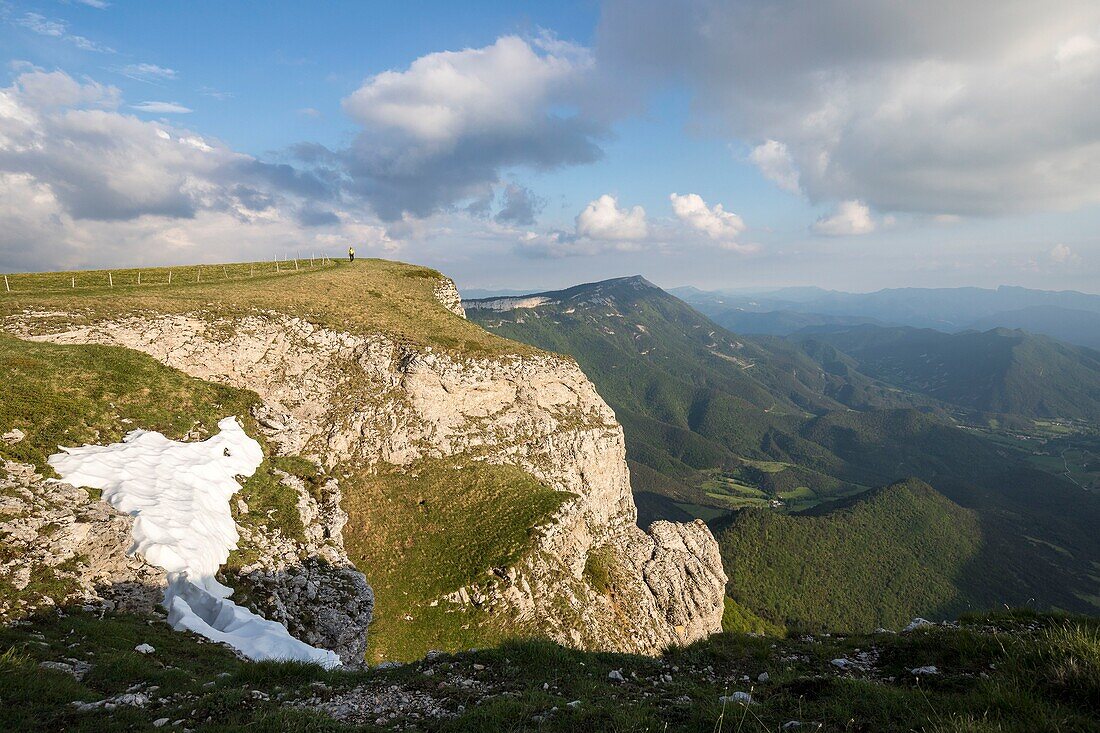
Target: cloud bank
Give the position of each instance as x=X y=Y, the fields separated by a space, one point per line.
x=909 y=107
x=85 y=184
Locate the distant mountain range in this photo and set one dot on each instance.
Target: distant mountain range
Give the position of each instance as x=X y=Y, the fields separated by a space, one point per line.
x=726 y=427
x=997 y=371
x=1066 y=315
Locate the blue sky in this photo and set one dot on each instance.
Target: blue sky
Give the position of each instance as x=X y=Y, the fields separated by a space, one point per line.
x=840 y=143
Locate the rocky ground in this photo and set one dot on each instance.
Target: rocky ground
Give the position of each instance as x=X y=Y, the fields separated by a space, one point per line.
x=1009 y=672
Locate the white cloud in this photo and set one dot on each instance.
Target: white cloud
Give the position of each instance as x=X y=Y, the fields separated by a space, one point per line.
x=600 y=227
x=715 y=222
x=42 y=25
x=439 y=132
x=148 y=72
x=84 y=184
x=602 y=219
x=774 y=161
x=44 y=90
x=215 y=93
x=445 y=96
x=97 y=4
x=850 y=218
x=909 y=107
x=310 y=113
x=53 y=28
x=162 y=108
x=1061 y=254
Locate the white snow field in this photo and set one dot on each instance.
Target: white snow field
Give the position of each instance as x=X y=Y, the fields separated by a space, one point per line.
x=179 y=495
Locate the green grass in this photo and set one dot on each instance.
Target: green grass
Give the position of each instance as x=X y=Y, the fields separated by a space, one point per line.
x=738 y=619
x=61 y=395
x=430 y=529
x=1010 y=672
x=72 y=395
x=367 y=296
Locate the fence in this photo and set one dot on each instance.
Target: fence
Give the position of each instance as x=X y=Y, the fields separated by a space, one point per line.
x=40 y=282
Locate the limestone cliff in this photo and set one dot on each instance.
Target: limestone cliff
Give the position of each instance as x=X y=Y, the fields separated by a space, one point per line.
x=369 y=400
x=63 y=546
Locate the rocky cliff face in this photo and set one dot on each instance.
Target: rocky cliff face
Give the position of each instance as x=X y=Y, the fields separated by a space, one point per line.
x=368 y=400
x=66 y=546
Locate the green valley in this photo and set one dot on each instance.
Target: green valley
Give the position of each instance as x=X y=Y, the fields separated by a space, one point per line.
x=778 y=444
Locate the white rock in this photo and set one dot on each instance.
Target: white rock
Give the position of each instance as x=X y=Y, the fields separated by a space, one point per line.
x=917 y=623
x=741 y=698
x=764 y=677
x=615 y=676
x=841 y=663
x=13 y=436
x=160 y=722
x=928 y=669
x=144 y=649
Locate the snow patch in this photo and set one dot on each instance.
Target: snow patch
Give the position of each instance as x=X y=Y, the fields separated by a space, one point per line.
x=178 y=494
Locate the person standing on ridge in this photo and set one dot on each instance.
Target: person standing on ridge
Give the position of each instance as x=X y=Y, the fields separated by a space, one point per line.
x=351 y=254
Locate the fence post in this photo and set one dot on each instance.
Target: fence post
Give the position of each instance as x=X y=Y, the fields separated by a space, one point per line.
x=251 y=270
x=169 y=277
x=110 y=280
x=139 y=277
x=198 y=277
x=226 y=272
x=74 y=281
x=7 y=288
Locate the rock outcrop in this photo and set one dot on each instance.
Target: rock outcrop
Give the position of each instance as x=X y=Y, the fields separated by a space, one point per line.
x=64 y=546
x=367 y=399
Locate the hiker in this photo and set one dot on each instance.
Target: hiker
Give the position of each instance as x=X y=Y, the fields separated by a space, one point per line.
x=351 y=254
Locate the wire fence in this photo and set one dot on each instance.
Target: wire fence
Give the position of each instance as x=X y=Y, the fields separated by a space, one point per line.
x=41 y=282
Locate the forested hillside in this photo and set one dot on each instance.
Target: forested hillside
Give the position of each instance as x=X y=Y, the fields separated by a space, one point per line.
x=765 y=427
x=996 y=371
x=706 y=412
x=887 y=556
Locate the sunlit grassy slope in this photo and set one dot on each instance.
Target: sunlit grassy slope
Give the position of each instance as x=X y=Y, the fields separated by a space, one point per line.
x=73 y=395
x=416 y=534
x=366 y=296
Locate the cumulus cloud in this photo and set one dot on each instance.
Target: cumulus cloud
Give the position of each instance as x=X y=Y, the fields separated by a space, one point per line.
x=775 y=163
x=850 y=218
x=912 y=107
x=520 y=206
x=715 y=222
x=602 y=226
x=84 y=184
x=602 y=219
x=1061 y=254
x=439 y=132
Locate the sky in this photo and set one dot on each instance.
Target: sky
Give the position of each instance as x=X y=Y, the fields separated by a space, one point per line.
x=848 y=144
